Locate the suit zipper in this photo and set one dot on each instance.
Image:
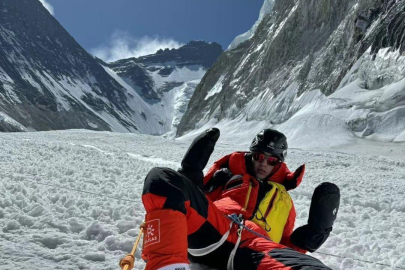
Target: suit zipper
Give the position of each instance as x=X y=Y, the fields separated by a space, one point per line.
x=248 y=195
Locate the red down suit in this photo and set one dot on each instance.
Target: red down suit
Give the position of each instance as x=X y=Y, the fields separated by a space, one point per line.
x=187 y=218
x=243 y=195
x=166 y=189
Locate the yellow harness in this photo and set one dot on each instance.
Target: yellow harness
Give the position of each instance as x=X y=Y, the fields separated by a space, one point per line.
x=272 y=213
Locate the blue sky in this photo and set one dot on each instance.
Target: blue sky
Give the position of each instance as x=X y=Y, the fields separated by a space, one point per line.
x=123 y=28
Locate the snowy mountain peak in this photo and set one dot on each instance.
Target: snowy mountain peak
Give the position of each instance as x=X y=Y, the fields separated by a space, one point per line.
x=166 y=80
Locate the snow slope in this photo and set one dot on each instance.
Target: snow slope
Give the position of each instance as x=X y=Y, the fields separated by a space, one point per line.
x=72 y=199
x=360 y=108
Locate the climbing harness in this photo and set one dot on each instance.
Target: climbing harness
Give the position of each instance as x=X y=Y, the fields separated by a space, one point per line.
x=235 y=219
x=204 y=251
x=240 y=229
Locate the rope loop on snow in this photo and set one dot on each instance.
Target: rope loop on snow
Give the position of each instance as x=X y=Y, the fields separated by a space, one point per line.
x=359 y=260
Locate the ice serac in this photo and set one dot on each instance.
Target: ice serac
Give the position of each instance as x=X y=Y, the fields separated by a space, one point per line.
x=48 y=81
x=167 y=79
x=330 y=64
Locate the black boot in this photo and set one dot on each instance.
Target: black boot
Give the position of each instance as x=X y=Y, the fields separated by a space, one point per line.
x=322 y=214
x=198 y=154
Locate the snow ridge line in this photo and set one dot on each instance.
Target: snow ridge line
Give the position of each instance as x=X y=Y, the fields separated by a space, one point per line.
x=79 y=191
x=153 y=159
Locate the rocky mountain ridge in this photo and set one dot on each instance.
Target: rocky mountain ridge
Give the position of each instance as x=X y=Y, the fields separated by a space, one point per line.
x=301 y=54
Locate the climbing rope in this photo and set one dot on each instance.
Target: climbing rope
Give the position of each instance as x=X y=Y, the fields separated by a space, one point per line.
x=359 y=260
x=235 y=219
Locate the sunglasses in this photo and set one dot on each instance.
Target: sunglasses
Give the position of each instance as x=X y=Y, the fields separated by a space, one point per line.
x=259 y=157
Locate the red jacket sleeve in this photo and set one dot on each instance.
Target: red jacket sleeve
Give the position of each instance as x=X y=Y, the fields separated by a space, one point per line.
x=213 y=195
x=288 y=230
x=294 y=179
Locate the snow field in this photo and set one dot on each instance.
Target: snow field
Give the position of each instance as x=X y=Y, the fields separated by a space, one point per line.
x=72 y=199
x=372 y=211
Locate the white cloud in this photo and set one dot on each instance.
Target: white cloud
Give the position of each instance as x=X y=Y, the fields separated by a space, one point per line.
x=48 y=6
x=122 y=46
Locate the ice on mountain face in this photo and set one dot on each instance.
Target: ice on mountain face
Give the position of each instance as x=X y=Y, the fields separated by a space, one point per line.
x=4 y=77
x=400 y=137
x=216 y=89
x=173 y=104
x=393 y=96
x=10 y=124
x=10 y=93
x=266 y=9
x=340 y=117
x=181 y=102
x=377 y=93
x=183 y=74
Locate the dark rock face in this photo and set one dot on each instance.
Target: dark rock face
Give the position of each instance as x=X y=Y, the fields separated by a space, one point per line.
x=5 y=126
x=48 y=81
x=136 y=74
x=390 y=32
x=169 y=86
x=193 y=53
x=299 y=47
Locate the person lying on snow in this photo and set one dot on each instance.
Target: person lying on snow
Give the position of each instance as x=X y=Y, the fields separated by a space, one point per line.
x=239 y=216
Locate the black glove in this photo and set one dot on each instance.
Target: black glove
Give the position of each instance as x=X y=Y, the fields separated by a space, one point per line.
x=298 y=174
x=322 y=214
x=309 y=238
x=198 y=154
x=219 y=178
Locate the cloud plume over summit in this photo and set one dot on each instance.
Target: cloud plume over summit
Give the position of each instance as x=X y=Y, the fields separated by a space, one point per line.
x=48 y=6
x=122 y=45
